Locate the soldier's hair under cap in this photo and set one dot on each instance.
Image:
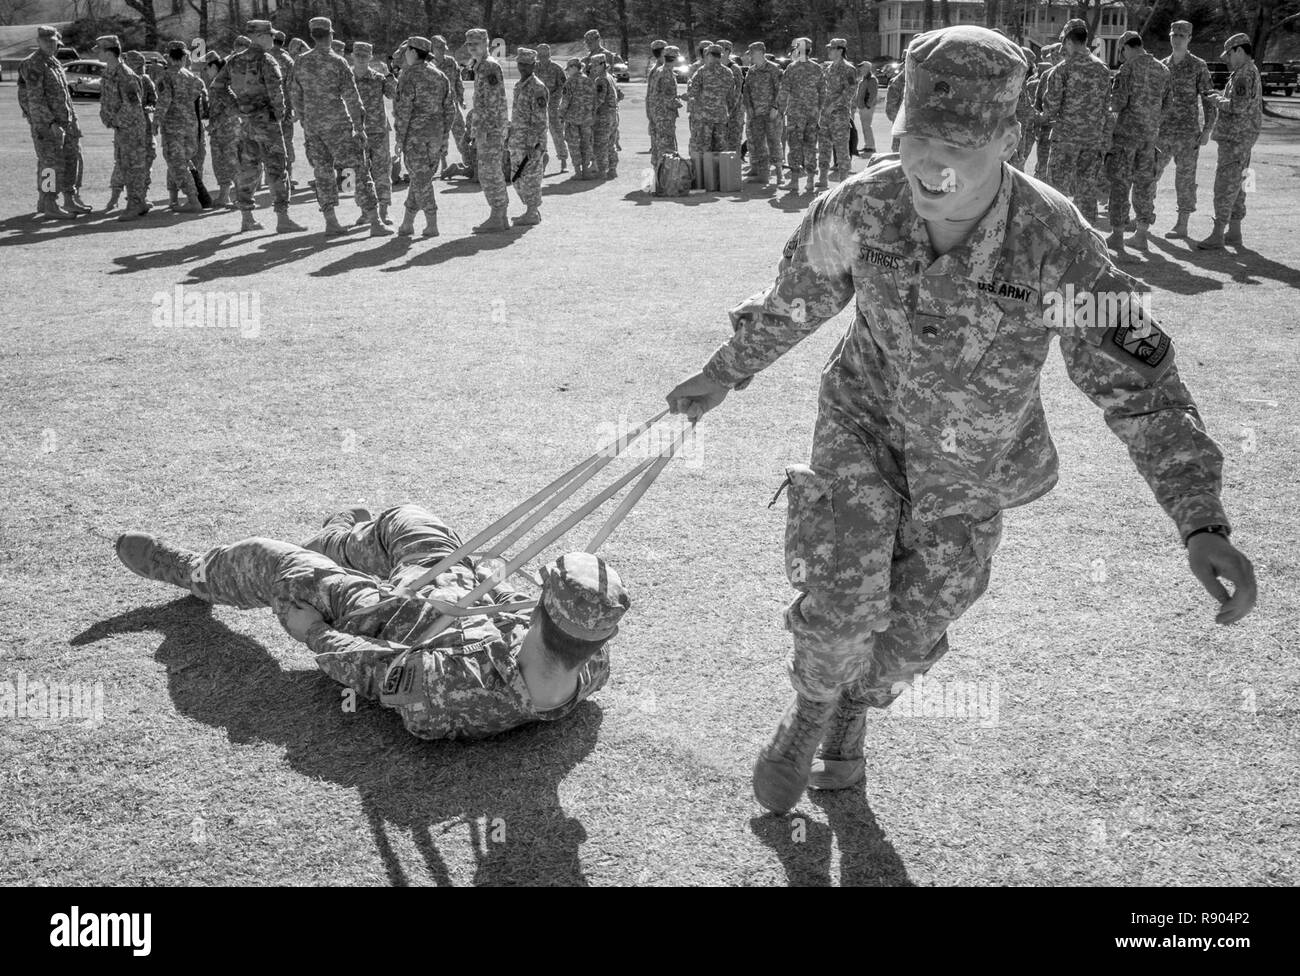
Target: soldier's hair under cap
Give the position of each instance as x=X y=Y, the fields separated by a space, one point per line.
x=1236 y=40
x=476 y=34
x=417 y=43
x=1074 y=23
x=47 y=33
x=525 y=55
x=1180 y=28
x=107 y=41
x=583 y=596
x=960 y=84
x=363 y=47
x=320 y=23
x=255 y=27
x=714 y=49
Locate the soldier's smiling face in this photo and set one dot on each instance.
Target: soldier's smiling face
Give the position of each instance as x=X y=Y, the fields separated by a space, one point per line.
x=952 y=182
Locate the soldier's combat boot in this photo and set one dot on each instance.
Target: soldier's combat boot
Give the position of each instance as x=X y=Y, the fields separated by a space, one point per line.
x=754 y=176
x=332 y=226
x=80 y=204
x=430 y=224
x=1233 y=235
x=173 y=198
x=223 y=196
x=822 y=181
x=811 y=183
x=384 y=219
x=113 y=198
x=783 y=767
x=151 y=557
x=530 y=216
x=1180 y=227
x=564 y=164
x=348 y=517
x=135 y=209
x=577 y=176
x=1115 y=241
x=248 y=221
x=839 y=763
x=1139 y=240
x=284 y=224
x=496 y=222
x=50 y=208
x=407 y=228
x=1215 y=241
x=377 y=228
x=192 y=204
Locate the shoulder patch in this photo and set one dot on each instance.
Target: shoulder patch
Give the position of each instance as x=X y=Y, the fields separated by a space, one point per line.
x=541 y=101
x=404 y=680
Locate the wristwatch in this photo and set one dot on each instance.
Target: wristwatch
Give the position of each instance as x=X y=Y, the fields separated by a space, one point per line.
x=1217 y=529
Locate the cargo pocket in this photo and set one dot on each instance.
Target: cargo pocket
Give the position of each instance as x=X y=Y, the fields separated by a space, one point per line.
x=985 y=537
x=810 y=533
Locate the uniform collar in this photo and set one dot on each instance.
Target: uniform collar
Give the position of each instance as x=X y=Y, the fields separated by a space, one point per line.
x=977 y=256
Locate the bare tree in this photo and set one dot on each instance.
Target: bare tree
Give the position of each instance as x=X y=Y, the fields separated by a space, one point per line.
x=623 y=28
x=150 y=17
x=201 y=8
x=16 y=11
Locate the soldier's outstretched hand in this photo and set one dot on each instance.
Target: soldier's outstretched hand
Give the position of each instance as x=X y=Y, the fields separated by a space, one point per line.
x=696 y=396
x=1211 y=558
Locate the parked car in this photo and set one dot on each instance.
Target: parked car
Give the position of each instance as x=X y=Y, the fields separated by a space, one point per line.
x=1219 y=73
x=1274 y=77
x=84 y=78
x=66 y=54
x=620 y=72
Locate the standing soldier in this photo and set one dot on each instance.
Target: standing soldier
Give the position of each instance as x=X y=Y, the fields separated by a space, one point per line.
x=1053 y=56
x=1139 y=97
x=1076 y=106
x=837 y=115
x=285 y=60
x=550 y=74
x=121 y=108
x=374 y=84
x=692 y=117
x=423 y=112
x=325 y=98
x=47 y=105
x=595 y=48
x=136 y=62
x=803 y=88
x=930 y=421
x=223 y=131
x=712 y=92
x=1026 y=114
x=735 y=124
x=1181 y=134
x=491 y=121
x=1241 y=112
x=604 y=132
x=178 y=121
x=662 y=106
x=447 y=64
x=894 y=99
x=865 y=99
x=252 y=79
x=578 y=113
x=527 y=141
x=759 y=94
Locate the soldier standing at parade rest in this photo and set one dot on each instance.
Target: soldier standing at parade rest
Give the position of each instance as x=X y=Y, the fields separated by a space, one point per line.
x=46 y=104
x=1241 y=112
x=803 y=88
x=662 y=106
x=285 y=60
x=837 y=115
x=1139 y=97
x=1181 y=134
x=578 y=113
x=550 y=74
x=121 y=108
x=424 y=111
x=526 y=143
x=374 y=84
x=223 y=131
x=759 y=93
x=962 y=271
x=491 y=122
x=604 y=129
x=1077 y=106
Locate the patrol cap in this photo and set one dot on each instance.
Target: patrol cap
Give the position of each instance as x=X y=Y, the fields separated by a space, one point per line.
x=1236 y=40
x=583 y=596
x=1071 y=24
x=573 y=63
x=363 y=47
x=525 y=55
x=48 y=33
x=337 y=46
x=959 y=84
x=543 y=48
x=176 y=46
x=107 y=41
x=838 y=42
x=297 y=46
x=590 y=34
x=1180 y=28
x=255 y=27
x=725 y=45
x=598 y=59
x=1129 y=36
x=416 y=43
x=476 y=34
x=278 y=35
x=671 y=51
x=714 y=49
x=654 y=45
x=802 y=43
x=243 y=41
x=321 y=23
x=757 y=46
x=133 y=59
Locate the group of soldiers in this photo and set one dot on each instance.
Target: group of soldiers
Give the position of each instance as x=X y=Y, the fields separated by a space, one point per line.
x=1114 y=139
x=808 y=106
x=253 y=98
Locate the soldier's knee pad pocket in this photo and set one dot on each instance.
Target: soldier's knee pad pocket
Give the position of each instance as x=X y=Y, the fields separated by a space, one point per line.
x=810 y=533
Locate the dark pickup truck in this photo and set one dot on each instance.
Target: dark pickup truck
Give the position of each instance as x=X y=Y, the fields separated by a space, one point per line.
x=1274 y=76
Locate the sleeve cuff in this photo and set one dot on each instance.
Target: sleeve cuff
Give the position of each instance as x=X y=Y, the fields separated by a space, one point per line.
x=1197 y=512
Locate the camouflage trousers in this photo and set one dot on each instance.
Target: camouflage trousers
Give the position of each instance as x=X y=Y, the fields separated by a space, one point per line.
x=663 y=137
x=1028 y=133
x=58 y=159
x=735 y=130
x=1132 y=167
x=1044 y=152
x=833 y=143
x=379 y=161
x=422 y=156
x=224 y=140
x=528 y=184
x=261 y=143
x=179 y=147
x=878 y=590
x=286 y=129
x=801 y=143
x=117 y=182
x=764 y=143
x=1074 y=169
x=710 y=136
x=333 y=147
x=604 y=136
x=458 y=134
x=131 y=163
x=868 y=143
x=580 y=140
x=1185 y=152
x=557 y=128
x=1231 y=181
x=490 y=168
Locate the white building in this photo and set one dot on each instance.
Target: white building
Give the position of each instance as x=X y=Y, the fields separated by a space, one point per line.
x=1039 y=23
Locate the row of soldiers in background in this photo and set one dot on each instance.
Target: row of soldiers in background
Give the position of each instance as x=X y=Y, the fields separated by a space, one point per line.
x=808 y=107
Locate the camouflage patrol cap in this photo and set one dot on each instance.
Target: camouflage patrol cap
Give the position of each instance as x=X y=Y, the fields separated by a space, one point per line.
x=725 y=45
x=672 y=51
x=297 y=46
x=243 y=41
x=1236 y=40
x=133 y=59
x=48 y=33
x=1129 y=36
x=714 y=49
x=337 y=46
x=758 y=46
x=598 y=59
x=583 y=596
x=476 y=34
x=255 y=27
x=107 y=41
x=525 y=55
x=658 y=45
x=838 y=42
x=590 y=34
x=573 y=63
x=321 y=23
x=1071 y=24
x=1180 y=28
x=363 y=48
x=416 y=43
x=959 y=84
x=278 y=35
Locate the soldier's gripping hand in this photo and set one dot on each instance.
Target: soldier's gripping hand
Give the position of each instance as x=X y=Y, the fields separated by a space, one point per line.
x=298 y=619
x=1211 y=558
x=696 y=396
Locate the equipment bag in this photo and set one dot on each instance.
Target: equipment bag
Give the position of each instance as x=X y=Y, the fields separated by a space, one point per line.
x=673 y=177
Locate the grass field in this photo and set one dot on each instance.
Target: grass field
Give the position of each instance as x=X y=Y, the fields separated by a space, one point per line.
x=1132 y=741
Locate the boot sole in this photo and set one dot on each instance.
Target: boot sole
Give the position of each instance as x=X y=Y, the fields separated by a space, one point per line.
x=778 y=787
x=836 y=774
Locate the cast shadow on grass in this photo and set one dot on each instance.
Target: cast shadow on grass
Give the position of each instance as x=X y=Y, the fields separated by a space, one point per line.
x=505 y=789
x=1245 y=266
x=28 y=229
x=867 y=858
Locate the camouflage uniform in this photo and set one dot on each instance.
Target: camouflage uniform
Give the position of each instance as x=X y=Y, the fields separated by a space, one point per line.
x=252 y=80
x=461 y=683
x=529 y=116
x=149 y=104
x=1139 y=95
x=1044 y=126
x=735 y=132
x=578 y=112
x=759 y=94
x=46 y=103
x=423 y=113
x=374 y=87
x=836 y=119
x=178 y=122
x=451 y=69
x=550 y=74
x=285 y=62
x=326 y=101
x=662 y=108
x=121 y=108
x=1180 y=130
x=893 y=100
x=490 y=124
x=604 y=129
x=713 y=95
x=803 y=88
x=1236 y=130
x=1076 y=106
x=223 y=135
x=1027 y=116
